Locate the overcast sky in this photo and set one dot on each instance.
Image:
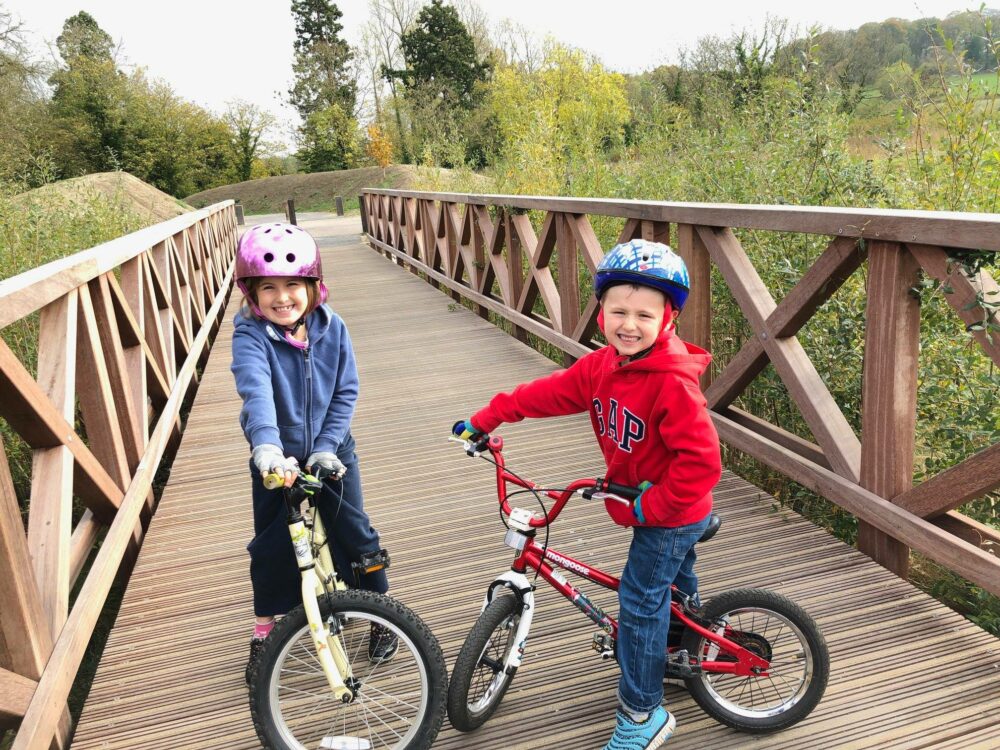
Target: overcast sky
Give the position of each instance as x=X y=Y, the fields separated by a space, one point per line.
x=211 y=52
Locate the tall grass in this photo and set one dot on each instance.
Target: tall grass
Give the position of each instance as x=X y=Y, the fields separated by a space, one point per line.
x=37 y=228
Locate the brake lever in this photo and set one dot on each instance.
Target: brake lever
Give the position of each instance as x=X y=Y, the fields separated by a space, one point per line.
x=596 y=495
x=467 y=445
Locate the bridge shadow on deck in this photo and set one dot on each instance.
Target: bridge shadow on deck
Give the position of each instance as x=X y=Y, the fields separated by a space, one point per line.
x=906 y=672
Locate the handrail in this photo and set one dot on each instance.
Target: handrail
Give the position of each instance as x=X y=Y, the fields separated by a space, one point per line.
x=950 y=228
x=122 y=328
x=484 y=248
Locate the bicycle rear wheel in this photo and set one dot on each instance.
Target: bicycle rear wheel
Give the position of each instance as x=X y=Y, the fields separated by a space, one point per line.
x=479 y=681
x=777 y=629
x=399 y=703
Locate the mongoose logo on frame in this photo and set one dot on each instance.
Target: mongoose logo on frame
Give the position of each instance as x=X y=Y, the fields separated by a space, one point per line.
x=567 y=563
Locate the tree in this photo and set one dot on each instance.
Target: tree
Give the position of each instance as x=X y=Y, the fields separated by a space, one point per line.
x=379 y=147
x=248 y=127
x=328 y=140
x=441 y=58
x=322 y=63
x=25 y=154
x=170 y=143
x=88 y=99
x=82 y=37
x=381 y=41
x=569 y=112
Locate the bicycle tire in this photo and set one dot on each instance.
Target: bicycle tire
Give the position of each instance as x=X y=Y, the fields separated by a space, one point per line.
x=400 y=703
x=479 y=666
x=780 y=630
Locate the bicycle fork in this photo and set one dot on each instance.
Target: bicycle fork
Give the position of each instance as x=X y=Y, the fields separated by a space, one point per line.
x=329 y=649
x=523 y=590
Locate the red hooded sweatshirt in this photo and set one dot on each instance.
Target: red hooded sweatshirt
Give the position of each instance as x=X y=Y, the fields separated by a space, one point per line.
x=650 y=419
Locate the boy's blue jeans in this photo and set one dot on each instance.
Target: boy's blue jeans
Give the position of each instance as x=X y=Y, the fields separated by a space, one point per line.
x=273 y=570
x=657 y=557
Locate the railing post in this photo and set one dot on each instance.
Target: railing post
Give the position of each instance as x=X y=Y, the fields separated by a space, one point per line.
x=569 y=281
x=695 y=323
x=339 y=201
x=290 y=211
x=363 y=205
x=889 y=391
x=239 y=213
x=515 y=267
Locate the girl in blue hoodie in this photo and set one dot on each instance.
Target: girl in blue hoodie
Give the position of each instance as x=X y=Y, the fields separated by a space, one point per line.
x=295 y=371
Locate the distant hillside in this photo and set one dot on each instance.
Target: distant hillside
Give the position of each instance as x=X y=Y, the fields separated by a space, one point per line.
x=317 y=191
x=120 y=188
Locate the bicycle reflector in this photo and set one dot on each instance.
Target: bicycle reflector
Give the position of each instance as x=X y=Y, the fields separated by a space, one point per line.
x=371 y=563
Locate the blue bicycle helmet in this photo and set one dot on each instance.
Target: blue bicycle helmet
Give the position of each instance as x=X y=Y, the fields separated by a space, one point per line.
x=647 y=263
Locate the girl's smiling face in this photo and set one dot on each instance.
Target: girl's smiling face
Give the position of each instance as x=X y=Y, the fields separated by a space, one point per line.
x=633 y=317
x=283 y=299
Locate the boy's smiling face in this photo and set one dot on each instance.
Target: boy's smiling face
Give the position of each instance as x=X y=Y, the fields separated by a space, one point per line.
x=633 y=317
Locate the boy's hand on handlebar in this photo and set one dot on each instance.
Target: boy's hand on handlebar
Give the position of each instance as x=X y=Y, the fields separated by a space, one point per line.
x=328 y=461
x=465 y=430
x=637 y=503
x=270 y=459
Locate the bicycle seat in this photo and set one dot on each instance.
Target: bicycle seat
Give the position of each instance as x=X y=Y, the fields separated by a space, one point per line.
x=713 y=526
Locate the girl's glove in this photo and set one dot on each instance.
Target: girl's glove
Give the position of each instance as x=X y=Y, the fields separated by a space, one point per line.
x=270 y=458
x=328 y=461
x=637 y=503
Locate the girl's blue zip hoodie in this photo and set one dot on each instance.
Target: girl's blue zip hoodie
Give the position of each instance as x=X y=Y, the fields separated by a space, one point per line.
x=301 y=400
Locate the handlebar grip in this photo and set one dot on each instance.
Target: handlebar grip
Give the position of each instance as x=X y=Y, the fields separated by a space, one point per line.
x=273 y=481
x=623 y=490
x=321 y=472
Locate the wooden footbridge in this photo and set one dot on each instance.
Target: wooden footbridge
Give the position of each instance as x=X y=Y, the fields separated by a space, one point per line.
x=128 y=331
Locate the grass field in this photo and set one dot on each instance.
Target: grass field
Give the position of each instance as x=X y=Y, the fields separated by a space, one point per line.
x=318 y=191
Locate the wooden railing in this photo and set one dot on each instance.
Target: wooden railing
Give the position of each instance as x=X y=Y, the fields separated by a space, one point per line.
x=122 y=329
x=484 y=248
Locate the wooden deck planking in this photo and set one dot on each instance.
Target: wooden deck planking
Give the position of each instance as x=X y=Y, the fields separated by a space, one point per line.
x=906 y=671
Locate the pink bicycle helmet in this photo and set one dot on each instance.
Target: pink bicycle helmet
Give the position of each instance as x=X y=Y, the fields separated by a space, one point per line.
x=278 y=249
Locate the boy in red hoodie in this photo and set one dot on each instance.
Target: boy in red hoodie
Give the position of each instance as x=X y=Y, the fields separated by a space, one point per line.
x=651 y=421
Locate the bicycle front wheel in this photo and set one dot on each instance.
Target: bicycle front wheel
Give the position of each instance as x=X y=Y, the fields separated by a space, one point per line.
x=399 y=701
x=772 y=627
x=479 y=681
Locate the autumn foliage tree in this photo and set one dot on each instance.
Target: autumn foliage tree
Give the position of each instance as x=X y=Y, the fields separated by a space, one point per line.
x=379 y=146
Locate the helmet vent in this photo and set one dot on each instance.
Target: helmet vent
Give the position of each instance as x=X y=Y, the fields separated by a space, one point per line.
x=288 y=231
x=268 y=230
x=268 y=257
x=290 y=257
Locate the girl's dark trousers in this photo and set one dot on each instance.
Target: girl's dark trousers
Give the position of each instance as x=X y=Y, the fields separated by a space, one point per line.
x=277 y=583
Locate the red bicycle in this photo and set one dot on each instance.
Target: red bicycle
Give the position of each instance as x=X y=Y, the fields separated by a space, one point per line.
x=751 y=658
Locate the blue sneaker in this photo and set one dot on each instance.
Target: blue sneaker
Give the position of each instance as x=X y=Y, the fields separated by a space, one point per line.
x=653 y=732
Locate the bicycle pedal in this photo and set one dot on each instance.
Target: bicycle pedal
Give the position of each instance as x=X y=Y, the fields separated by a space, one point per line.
x=603 y=644
x=372 y=562
x=679 y=665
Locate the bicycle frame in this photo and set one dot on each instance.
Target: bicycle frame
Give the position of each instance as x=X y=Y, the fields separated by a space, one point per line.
x=319 y=578
x=545 y=561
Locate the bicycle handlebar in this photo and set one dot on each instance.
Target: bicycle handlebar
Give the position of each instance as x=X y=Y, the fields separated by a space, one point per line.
x=629 y=493
x=303 y=480
x=481 y=443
